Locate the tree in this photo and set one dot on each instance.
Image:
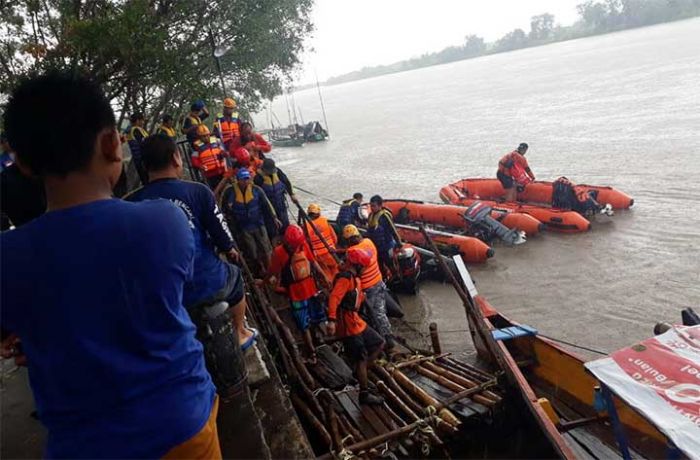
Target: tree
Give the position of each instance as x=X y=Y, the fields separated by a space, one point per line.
x=542 y=27
x=155 y=55
x=511 y=41
x=474 y=46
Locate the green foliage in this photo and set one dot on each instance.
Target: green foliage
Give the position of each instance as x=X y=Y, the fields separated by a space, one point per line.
x=595 y=17
x=155 y=56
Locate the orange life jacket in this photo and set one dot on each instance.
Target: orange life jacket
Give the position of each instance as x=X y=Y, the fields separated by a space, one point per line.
x=210 y=158
x=322 y=225
x=298 y=268
x=229 y=128
x=346 y=311
x=371 y=275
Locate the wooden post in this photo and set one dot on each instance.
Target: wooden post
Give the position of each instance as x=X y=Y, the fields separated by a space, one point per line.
x=435 y=338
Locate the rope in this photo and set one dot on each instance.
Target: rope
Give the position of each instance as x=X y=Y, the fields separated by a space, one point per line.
x=317 y=196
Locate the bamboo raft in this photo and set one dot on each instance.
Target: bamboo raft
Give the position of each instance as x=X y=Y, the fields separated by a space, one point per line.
x=428 y=396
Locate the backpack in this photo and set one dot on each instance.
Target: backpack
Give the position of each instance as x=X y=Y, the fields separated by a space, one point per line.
x=563 y=194
x=298 y=268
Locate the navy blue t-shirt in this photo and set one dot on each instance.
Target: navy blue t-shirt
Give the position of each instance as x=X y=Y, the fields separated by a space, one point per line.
x=95 y=293
x=208 y=227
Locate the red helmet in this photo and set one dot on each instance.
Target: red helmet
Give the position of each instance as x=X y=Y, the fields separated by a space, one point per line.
x=294 y=236
x=357 y=256
x=242 y=156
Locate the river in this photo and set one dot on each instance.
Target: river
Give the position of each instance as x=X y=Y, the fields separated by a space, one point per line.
x=621 y=109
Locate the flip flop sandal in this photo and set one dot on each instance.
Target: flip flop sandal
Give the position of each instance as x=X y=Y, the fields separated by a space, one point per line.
x=251 y=340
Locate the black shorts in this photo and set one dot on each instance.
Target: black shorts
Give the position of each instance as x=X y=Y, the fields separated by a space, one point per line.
x=506 y=181
x=359 y=347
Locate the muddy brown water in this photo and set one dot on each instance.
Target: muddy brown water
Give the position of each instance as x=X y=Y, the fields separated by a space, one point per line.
x=621 y=109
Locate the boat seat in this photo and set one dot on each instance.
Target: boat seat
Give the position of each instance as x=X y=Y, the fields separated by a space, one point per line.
x=513 y=332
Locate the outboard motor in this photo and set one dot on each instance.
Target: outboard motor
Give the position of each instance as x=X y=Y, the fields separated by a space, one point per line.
x=222 y=352
x=407 y=261
x=485 y=227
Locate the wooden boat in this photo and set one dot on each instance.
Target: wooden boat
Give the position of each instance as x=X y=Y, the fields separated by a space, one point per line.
x=558 y=391
x=555 y=219
x=472 y=250
x=287 y=142
x=539 y=192
x=451 y=215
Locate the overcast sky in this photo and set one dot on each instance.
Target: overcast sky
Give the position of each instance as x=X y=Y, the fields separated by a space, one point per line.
x=351 y=34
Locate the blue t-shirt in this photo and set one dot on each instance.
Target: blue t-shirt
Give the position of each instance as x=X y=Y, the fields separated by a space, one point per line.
x=208 y=227
x=95 y=293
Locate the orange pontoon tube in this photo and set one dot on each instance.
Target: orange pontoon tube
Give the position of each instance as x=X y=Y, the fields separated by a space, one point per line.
x=451 y=215
x=472 y=250
x=555 y=219
x=538 y=192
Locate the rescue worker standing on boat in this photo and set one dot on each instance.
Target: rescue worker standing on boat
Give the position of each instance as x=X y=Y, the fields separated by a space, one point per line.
x=135 y=135
x=276 y=185
x=167 y=127
x=228 y=127
x=292 y=270
x=198 y=113
x=361 y=342
x=324 y=256
x=209 y=157
x=510 y=167
x=372 y=284
x=247 y=207
x=382 y=232
x=350 y=213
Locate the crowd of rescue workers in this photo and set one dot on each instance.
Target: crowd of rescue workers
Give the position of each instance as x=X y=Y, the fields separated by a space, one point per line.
x=332 y=273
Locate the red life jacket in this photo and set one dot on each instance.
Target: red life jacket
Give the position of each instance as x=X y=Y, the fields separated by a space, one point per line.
x=519 y=175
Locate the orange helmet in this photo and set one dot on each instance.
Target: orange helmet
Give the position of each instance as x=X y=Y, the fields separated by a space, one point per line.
x=229 y=103
x=294 y=236
x=202 y=130
x=313 y=209
x=349 y=231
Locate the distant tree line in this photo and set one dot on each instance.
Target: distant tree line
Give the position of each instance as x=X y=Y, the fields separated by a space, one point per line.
x=156 y=56
x=595 y=17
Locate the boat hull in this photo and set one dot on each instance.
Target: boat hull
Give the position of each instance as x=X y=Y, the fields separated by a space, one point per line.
x=471 y=249
x=451 y=215
x=539 y=192
x=555 y=219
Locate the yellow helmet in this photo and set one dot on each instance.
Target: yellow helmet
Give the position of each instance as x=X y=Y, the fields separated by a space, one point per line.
x=314 y=209
x=229 y=103
x=202 y=130
x=349 y=231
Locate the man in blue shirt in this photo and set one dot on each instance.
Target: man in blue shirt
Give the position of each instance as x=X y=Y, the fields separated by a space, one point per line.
x=93 y=288
x=213 y=278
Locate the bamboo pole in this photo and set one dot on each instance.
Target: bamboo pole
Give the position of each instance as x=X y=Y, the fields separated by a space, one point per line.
x=412 y=415
x=450 y=385
x=414 y=361
x=435 y=338
x=304 y=409
x=425 y=398
x=466 y=383
x=466 y=393
x=389 y=380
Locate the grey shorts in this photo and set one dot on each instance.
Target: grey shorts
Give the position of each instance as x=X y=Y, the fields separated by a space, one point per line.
x=256 y=240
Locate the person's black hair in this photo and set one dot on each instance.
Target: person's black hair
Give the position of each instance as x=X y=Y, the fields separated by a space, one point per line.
x=376 y=199
x=194 y=107
x=268 y=164
x=136 y=117
x=166 y=118
x=523 y=146
x=357 y=196
x=246 y=123
x=66 y=143
x=157 y=152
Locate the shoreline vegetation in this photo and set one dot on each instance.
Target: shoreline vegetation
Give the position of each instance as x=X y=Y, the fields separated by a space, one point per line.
x=595 y=17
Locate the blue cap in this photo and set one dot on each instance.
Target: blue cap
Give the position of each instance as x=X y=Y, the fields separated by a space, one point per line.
x=198 y=104
x=243 y=173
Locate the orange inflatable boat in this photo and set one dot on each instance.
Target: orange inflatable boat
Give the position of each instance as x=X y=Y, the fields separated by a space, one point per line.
x=472 y=250
x=555 y=219
x=538 y=192
x=451 y=215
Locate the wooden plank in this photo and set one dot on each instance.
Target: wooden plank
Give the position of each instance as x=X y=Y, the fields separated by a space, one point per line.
x=355 y=415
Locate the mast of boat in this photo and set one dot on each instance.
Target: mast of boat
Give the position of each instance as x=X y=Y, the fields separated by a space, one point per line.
x=323 y=108
x=301 y=117
x=294 y=108
x=289 y=113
